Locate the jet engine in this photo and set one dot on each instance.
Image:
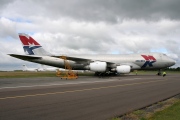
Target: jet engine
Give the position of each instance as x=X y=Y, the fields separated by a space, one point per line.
x=123 y=69
x=98 y=66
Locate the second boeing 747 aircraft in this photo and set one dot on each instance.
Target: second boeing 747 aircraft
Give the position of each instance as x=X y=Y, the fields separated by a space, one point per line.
x=100 y=64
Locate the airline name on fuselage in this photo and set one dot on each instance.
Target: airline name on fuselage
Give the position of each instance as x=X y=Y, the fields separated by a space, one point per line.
x=148 y=59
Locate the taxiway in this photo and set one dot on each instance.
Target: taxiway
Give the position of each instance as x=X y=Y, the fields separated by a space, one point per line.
x=87 y=98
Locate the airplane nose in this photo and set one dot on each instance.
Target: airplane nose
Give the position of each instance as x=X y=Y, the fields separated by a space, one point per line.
x=173 y=62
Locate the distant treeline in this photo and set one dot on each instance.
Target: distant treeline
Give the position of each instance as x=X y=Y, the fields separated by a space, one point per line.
x=167 y=69
x=173 y=69
x=11 y=71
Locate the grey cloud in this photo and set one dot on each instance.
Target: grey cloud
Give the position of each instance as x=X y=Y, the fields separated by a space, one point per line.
x=92 y=26
x=8 y=28
x=111 y=11
x=4 y=3
x=78 y=43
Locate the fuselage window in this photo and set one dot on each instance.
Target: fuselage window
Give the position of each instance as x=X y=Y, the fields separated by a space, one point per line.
x=140 y=60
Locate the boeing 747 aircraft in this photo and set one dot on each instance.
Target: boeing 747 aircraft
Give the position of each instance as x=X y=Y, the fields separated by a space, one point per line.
x=25 y=68
x=100 y=64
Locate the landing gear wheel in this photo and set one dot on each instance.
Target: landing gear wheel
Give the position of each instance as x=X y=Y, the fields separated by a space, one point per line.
x=159 y=73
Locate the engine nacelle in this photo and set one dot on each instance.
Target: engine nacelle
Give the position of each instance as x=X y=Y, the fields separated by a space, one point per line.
x=123 y=69
x=98 y=66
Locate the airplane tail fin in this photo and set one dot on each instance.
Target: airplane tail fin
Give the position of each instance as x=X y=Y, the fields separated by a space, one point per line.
x=30 y=46
x=43 y=67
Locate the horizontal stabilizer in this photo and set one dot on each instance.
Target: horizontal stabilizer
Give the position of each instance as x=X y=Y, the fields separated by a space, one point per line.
x=25 y=57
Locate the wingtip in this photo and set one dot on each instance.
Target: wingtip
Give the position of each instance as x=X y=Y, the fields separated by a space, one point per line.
x=10 y=54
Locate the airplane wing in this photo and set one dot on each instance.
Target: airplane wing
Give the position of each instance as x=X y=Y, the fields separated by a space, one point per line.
x=25 y=57
x=77 y=60
x=83 y=60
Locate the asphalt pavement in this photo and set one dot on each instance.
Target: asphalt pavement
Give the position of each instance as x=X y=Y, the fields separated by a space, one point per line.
x=87 y=98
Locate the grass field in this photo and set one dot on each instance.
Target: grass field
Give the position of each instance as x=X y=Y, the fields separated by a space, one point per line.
x=21 y=74
x=26 y=74
x=165 y=110
x=171 y=113
x=143 y=72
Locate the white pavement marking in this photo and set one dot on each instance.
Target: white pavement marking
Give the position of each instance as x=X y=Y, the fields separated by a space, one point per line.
x=46 y=85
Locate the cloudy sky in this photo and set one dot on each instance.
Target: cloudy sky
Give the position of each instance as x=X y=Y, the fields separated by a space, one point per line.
x=90 y=27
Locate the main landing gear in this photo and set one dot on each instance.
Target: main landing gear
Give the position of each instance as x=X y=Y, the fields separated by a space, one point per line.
x=159 y=72
x=102 y=74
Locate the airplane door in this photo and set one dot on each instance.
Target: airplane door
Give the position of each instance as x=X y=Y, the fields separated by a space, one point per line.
x=160 y=55
x=160 y=64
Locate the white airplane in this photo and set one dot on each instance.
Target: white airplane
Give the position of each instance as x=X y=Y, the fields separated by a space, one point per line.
x=44 y=68
x=25 y=68
x=100 y=64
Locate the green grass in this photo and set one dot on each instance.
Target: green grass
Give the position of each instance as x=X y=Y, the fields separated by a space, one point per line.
x=170 y=110
x=21 y=74
x=116 y=119
x=171 y=113
x=154 y=72
x=26 y=74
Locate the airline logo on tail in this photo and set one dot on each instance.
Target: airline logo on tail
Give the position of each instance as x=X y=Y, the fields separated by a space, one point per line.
x=29 y=44
x=149 y=60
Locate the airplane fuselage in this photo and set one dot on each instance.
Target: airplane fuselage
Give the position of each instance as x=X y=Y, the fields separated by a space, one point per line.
x=136 y=61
